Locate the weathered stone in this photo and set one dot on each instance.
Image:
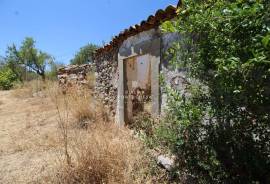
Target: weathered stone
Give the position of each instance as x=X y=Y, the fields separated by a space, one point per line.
x=165 y=162
x=74 y=75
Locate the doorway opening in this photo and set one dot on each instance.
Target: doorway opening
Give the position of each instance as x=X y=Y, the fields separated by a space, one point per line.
x=137 y=86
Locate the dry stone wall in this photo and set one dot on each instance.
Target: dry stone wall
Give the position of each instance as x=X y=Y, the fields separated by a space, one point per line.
x=107 y=75
x=74 y=75
x=106 y=71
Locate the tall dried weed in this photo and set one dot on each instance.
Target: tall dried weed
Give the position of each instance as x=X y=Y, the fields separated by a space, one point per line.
x=100 y=153
x=92 y=148
x=104 y=154
x=30 y=89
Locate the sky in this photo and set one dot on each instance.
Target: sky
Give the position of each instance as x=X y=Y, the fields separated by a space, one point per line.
x=61 y=27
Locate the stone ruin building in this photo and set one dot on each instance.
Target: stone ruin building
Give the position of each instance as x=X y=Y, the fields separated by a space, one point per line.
x=74 y=75
x=128 y=68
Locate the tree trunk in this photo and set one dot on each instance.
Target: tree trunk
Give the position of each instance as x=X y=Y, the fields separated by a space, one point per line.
x=43 y=76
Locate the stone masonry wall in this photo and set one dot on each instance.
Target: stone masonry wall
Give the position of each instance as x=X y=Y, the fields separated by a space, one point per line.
x=107 y=75
x=107 y=70
x=74 y=75
x=106 y=78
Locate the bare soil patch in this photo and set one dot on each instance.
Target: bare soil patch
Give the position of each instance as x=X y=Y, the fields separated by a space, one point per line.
x=28 y=138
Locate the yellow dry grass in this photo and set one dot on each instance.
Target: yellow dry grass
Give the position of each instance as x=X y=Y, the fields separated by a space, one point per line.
x=56 y=138
x=28 y=138
x=29 y=89
x=104 y=153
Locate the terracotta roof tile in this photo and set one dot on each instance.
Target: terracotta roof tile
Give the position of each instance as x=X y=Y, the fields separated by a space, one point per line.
x=152 y=21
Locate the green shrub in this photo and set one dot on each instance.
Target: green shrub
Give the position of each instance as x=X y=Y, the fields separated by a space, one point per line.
x=7 y=78
x=222 y=136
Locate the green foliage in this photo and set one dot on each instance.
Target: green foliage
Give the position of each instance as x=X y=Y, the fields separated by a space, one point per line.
x=84 y=55
x=52 y=73
x=7 y=78
x=27 y=57
x=12 y=61
x=2 y=62
x=222 y=136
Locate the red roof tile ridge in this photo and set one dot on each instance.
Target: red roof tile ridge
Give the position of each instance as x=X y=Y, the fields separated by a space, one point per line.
x=152 y=21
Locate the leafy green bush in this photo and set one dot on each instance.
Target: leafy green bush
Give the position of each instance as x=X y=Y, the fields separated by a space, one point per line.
x=7 y=78
x=222 y=136
x=84 y=55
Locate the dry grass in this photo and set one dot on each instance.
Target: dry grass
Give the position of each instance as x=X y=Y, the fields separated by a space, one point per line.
x=103 y=154
x=28 y=138
x=66 y=139
x=100 y=153
x=82 y=108
x=30 y=89
x=85 y=109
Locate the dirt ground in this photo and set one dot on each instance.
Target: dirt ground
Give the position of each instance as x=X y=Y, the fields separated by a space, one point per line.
x=29 y=142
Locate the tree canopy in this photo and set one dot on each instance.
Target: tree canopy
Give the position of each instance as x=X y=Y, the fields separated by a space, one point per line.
x=27 y=56
x=84 y=55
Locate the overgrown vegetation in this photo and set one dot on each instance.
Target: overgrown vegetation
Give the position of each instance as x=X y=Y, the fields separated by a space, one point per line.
x=95 y=150
x=25 y=63
x=102 y=156
x=7 y=78
x=220 y=128
x=74 y=131
x=84 y=55
x=27 y=57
